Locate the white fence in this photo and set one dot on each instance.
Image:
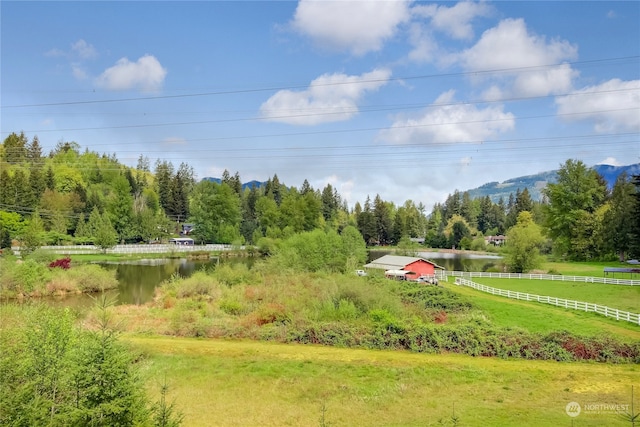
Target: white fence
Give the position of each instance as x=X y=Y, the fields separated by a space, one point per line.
x=130 y=249
x=558 y=277
x=559 y=302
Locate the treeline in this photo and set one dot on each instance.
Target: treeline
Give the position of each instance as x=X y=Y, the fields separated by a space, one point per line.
x=79 y=196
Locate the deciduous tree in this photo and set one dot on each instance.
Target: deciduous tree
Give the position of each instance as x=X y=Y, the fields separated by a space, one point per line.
x=523 y=244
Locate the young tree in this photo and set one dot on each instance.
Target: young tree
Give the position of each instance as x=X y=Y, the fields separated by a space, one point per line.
x=354 y=248
x=120 y=208
x=103 y=234
x=523 y=244
x=107 y=388
x=31 y=237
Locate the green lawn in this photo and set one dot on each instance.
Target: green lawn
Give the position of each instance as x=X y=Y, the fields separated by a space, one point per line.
x=622 y=297
x=248 y=383
x=544 y=318
x=593 y=268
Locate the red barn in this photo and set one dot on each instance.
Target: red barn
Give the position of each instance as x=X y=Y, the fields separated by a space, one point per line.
x=414 y=266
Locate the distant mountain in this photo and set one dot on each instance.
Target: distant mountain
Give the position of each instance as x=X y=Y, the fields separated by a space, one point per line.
x=535 y=183
x=246 y=185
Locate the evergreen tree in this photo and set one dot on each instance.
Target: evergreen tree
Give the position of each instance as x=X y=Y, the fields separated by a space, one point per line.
x=634 y=244
x=367 y=223
x=330 y=203
x=120 y=208
x=383 y=220
x=306 y=187
x=618 y=220
x=164 y=176
x=34 y=151
x=50 y=179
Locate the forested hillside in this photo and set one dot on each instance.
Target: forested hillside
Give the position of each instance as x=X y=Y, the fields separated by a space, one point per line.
x=71 y=195
x=535 y=184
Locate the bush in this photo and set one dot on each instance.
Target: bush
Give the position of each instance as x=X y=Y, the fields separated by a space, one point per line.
x=88 y=278
x=234 y=274
x=63 y=263
x=199 y=284
x=434 y=297
x=42 y=256
x=232 y=307
x=30 y=277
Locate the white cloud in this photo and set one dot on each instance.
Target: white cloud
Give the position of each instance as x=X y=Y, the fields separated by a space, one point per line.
x=146 y=74
x=79 y=72
x=424 y=45
x=355 y=26
x=454 y=21
x=55 y=53
x=514 y=52
x=84 y=50
x=329 y=98
x=612 y=106
x=612 y=161
x=448 y=122
x=80 y=50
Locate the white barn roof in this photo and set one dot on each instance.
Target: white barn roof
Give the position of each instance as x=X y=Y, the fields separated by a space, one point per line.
x=395 y=262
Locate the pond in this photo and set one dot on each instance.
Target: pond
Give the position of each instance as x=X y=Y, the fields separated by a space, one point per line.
x=137 y=280
x=452 y=261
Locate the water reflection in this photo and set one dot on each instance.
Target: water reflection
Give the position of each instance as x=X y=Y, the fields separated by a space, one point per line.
x=138 y=280
x=451 y=261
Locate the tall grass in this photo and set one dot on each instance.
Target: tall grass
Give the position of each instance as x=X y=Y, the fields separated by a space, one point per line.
x=31 y=278
x=350 y=311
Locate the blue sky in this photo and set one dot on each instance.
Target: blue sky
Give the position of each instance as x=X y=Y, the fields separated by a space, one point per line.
x=409 y=100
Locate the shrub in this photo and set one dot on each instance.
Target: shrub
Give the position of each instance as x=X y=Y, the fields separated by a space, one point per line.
x=88 y=278
x=63 y=263
x=440 y=317
x=231 y=306
x=30 y=276
x=233 y=274
x=271 y=313
x=199 y=284
x=42 y=256
x=434 y=297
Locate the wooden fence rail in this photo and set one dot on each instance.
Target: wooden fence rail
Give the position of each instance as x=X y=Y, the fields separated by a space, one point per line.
x=559 y=302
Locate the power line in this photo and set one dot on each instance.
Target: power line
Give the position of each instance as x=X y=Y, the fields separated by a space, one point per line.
x=293 y=87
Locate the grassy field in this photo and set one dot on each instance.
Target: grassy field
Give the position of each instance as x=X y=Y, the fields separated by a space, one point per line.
x=621 y=297
x=595 y=269
x=544 y=318
x=247 y=383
